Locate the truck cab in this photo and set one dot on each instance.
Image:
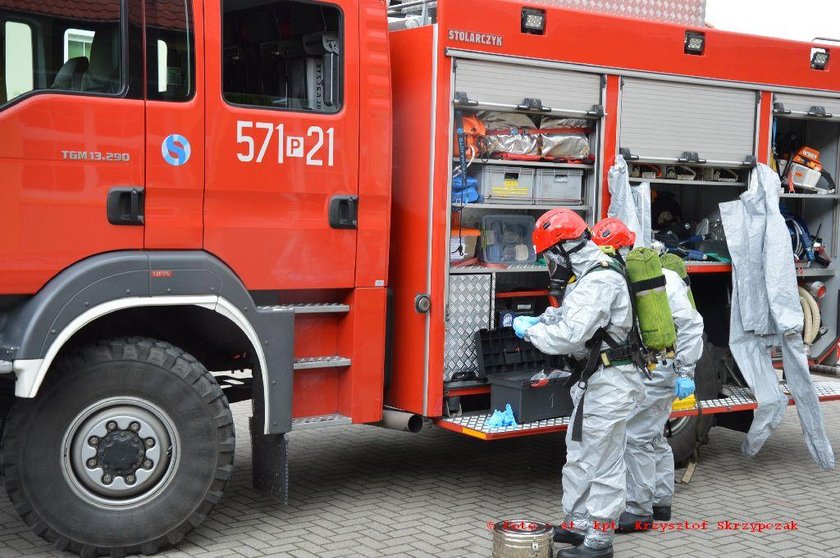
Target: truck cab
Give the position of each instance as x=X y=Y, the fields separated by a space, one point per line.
x=195 y=198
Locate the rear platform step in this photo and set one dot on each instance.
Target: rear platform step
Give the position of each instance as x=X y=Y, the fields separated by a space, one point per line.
x=320 y=421
x=308 y=308
x=741 y=399
x=309 y=363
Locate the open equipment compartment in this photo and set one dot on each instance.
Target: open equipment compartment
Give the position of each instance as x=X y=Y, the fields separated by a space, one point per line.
x=695 y=142
x=696 y=145
x=500 y=91
x=813 y=122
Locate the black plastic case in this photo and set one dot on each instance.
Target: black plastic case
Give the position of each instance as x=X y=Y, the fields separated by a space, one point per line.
x=530 y=404
x=508 y=363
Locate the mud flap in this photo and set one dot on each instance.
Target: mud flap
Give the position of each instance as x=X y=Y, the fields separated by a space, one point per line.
x=270 y=463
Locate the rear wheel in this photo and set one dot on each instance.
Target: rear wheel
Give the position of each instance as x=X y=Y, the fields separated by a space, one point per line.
x=125 y=450
x=683 y=432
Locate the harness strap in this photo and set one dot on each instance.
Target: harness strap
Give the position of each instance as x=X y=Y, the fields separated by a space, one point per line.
x=593 y=360
x=648 y=284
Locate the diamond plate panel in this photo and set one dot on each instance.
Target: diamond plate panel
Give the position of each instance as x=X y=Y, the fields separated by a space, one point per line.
x=684 y=12
x=471 y=306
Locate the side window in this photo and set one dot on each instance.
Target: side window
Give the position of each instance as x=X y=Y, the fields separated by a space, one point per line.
x=19 y=59
x=170 y=58
x=58 y=46
x=284 y=54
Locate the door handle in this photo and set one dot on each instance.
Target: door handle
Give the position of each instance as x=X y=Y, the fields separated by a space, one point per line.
x=126 y=205
x=344 y=212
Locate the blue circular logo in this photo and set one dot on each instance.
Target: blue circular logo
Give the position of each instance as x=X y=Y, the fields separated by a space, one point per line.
x=175 y=150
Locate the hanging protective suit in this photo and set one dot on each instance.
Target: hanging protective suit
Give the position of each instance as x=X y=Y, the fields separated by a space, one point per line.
x=649 y=459
x=630 y=204
x=594 y=475
x=766 y=312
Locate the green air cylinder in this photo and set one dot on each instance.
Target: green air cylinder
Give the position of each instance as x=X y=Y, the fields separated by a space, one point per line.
x=677 y=265
x=653 y=312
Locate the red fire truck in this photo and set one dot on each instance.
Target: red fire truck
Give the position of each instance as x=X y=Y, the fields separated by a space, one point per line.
x=211 y=201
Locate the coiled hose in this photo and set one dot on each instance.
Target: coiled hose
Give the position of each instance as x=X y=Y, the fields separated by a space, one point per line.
x=812 y=316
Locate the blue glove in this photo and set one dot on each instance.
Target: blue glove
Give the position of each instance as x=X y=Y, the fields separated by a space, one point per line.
x=683 y=387
x=522 y=323
x=502 y=418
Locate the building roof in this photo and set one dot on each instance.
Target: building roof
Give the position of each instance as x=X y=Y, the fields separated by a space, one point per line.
x=159 y=13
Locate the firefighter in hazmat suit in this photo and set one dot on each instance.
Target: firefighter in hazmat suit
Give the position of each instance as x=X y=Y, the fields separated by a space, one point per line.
x=592 y=325
x=649 y=459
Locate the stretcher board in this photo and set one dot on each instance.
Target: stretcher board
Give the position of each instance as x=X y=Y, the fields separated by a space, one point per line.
x=741 y=399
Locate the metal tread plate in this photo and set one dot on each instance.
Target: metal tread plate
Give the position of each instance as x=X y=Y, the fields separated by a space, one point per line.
x=741 y=399
x=333 y=361
x=320 y=421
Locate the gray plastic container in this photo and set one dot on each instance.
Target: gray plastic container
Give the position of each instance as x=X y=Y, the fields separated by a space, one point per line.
x=504 y=184
x=559 y=185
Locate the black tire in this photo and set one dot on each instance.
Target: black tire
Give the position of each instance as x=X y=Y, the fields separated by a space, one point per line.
x=126 y=388
x=709 y=377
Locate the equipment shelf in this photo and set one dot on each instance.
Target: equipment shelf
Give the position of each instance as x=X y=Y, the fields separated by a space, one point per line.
x=545 y=111
x=815 y=272
x=689 y=182
x=833 y=197
x=516 y=163
x=466 y=388
x=739 y=399
x=510 y=268
x=529 y=206
x=707 y=267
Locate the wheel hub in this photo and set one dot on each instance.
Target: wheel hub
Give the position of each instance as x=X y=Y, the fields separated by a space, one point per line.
x=119 y=452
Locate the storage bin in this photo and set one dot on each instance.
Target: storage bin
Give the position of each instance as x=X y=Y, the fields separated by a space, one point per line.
x=505 y=184
x=467 y=239
x=507 y=239
x=559 y=185
x=530 y=404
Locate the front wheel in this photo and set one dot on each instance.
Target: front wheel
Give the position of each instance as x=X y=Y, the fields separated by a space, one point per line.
x=127 y=447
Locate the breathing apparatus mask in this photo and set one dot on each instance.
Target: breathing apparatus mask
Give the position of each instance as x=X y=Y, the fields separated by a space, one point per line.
x=559 y=263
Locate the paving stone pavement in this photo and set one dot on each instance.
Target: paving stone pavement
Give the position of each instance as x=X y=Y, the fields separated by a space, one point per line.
x=363 y=492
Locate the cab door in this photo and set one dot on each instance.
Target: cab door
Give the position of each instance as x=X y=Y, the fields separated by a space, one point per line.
x=71 y=136
x=282 y=141
x=174 y=125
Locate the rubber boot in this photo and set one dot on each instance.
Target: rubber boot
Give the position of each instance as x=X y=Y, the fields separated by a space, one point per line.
x=583 y=551
x=568 y=537
x=630 y=523
x=662 y=513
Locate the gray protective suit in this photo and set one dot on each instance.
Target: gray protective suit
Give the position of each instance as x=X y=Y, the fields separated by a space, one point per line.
x=630 y=204
x=594 y=475
x=649 y=459
x=766 y=312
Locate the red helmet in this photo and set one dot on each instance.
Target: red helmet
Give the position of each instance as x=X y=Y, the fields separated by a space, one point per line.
x=613 y=232
x=556 y=226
